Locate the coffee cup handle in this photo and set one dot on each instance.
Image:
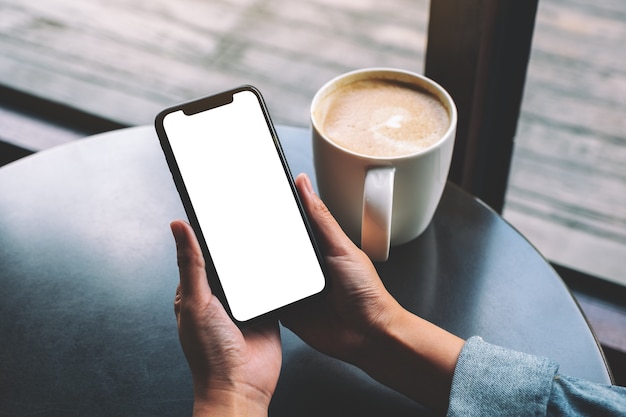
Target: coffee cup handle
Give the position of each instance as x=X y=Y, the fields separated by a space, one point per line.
x=376 y=219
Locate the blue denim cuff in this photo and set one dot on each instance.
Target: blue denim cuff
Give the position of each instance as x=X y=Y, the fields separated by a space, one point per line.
x=493 y=381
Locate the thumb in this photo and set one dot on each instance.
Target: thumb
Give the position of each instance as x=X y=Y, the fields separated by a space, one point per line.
x=329 y=233
x=191 y=265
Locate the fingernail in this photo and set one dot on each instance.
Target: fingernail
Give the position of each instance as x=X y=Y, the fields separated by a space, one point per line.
x=177 y=231
x=307 y=184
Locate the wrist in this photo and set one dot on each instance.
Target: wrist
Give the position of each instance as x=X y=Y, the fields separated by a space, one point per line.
x=217 y=402
x=414 y=357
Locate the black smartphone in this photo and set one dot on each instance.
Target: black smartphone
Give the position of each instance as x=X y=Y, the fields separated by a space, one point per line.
x=240 y=198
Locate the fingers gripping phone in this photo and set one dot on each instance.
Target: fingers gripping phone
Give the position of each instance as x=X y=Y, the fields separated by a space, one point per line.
x=239 y=196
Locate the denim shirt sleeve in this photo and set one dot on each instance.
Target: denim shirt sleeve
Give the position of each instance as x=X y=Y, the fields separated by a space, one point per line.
x=490 y=380
x=576 y=397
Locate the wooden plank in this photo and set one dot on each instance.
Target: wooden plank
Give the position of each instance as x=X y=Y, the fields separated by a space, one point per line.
x=40 y=135
x=568 y=181
x=163 y=54
x=565 y=244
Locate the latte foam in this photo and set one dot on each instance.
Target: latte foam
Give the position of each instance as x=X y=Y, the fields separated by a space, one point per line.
x=383 y=118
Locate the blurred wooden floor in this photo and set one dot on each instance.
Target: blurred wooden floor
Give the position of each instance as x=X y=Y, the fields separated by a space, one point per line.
x=568 y=184
x=126 y=60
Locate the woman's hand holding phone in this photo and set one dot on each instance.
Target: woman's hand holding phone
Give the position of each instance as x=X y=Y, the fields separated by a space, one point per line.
x=234 y=371
x=358 y=321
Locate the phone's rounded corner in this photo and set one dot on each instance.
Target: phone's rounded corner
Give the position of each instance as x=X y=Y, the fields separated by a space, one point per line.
x=325 y=287
x=250 y=87
x=250 y=322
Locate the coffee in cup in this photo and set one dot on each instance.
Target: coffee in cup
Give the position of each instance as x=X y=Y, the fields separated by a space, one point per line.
x=382 y=145
x=382 y=118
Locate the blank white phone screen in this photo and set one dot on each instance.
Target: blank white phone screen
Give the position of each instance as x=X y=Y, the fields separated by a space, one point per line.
x=245 y=206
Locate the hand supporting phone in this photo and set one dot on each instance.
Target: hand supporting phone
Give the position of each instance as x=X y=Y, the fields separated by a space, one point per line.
x=240 y=198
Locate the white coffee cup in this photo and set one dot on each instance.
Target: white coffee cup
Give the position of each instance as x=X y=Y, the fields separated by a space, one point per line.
x=381 y=201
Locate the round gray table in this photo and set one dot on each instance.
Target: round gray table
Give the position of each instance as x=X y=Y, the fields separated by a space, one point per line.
x=88 y=274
